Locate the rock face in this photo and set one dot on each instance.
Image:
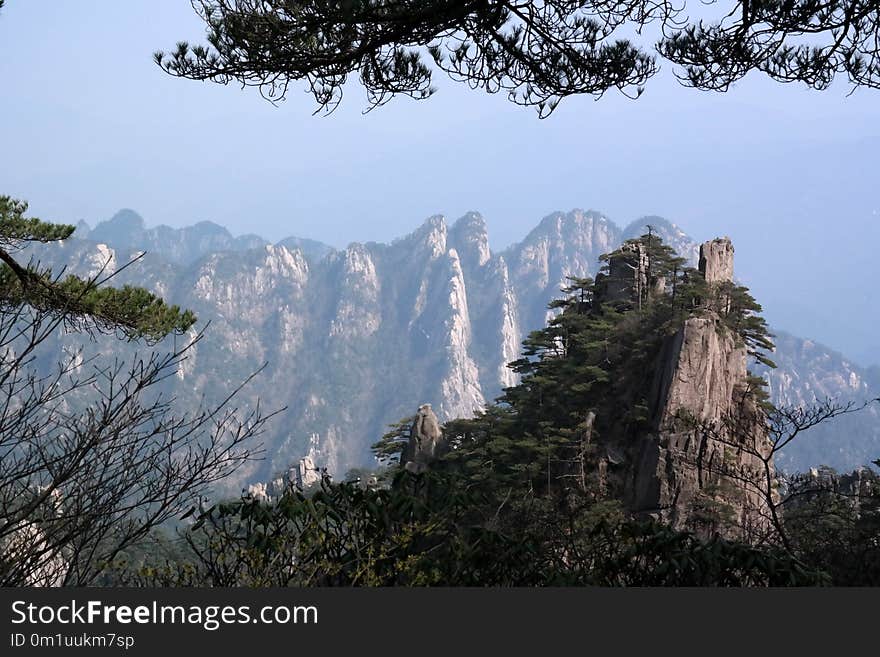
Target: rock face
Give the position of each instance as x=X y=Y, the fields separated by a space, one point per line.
x=307 y=473
x=627 y=276
x=300 y=476
x=857 y=492
x=698 y=468
x=859 y=486
x=34 y=559
x=426 y=441
x=716 y=260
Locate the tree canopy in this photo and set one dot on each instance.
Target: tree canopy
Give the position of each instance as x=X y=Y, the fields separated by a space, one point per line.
x=537 y=52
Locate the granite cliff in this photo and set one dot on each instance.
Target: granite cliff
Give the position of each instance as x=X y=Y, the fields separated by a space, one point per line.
x=707 y=435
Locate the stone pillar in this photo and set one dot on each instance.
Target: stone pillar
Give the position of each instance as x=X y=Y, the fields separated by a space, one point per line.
x=627 y=274
x=716 y=260
x=426 y=441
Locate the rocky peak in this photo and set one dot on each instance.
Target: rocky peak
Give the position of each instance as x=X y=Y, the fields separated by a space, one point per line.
x=460 y=386
x=670 y=233
x=859 y=489
x=627 y=274
x=301 y=476
x=426 y=441
x=357 y=313
x=206 y=230
x=102 y=261
x=311 y=249
x=707 y=436
x=716 y=260
x=82 y=230
x=470 y=238
x=306 y=472
x=449 y=329
x=562 y=245
x=283 y=262
x=185 y=246
x=431 y=237
x=124 y=229
x=577 y=228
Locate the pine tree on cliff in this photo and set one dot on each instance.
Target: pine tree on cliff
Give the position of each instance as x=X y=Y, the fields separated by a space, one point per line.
x=588 y=374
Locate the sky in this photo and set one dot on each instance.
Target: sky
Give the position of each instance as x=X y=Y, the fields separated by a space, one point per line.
x=89 y=125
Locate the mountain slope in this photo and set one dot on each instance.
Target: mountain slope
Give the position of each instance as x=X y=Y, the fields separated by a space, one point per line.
x=808 y=371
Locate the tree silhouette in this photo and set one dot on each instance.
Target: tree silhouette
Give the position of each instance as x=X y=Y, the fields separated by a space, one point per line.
x=537 y=52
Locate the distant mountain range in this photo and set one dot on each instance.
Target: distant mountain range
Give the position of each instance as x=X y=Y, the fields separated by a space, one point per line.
x=183 y=246
x=358 y=338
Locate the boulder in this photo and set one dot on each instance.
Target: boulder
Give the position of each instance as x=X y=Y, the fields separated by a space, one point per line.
x=426 y=441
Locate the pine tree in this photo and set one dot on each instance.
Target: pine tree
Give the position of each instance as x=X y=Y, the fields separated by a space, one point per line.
x=535 y=53
x=81 y=303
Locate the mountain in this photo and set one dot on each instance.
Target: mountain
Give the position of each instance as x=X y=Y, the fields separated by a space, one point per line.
x=126 y=230
x=312 y=249
x=357 y=338
x=808 y=371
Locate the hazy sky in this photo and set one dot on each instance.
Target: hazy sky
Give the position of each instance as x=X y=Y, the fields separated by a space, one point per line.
x=89 y=125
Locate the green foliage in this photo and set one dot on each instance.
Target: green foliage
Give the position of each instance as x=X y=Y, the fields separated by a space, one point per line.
x=82 y=304
x=390 y=47
x=437 y=530
x=741 y=314
x=15 y=227
x=651 y=554
x=837 y=530
x=389 y=448
x=345 y=534
x=148 y=558
x=659 y=260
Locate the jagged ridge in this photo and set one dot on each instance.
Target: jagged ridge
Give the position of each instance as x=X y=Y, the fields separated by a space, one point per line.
x=357 y=338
